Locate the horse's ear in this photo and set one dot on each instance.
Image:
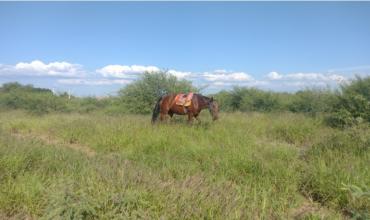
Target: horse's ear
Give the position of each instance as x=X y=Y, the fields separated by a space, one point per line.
x=211 y=99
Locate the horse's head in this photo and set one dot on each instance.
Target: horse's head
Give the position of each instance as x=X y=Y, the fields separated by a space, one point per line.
x=213 y=108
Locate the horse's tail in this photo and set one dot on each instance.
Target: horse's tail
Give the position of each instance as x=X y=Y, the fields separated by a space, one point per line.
x=156 y=110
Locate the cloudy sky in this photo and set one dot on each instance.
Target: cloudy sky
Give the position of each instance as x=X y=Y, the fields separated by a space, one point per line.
x=96 y=48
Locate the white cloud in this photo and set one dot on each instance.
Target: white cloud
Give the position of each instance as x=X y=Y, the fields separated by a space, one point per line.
x=39 y=68
x=338 y=78
x=179 y=74
x=93 y=82
x=222 y=75
x=220 y=84
x=227 y=79
x=303 y=84
x=119 y=71
x=306 y=77
x=248 y=84
x=274 y=76
x=74 y=74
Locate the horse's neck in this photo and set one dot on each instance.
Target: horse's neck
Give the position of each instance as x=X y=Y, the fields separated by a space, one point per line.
x=203 y=103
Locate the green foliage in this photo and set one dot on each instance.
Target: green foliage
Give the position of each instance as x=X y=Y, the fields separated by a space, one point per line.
x=224 y=99
x=250 y=99
x=353 y=105
x=359 y=86
x=34 y=100
x=41 y=101
x=141 y=95
x=257 y=100
x=344 y=108
x=340 y=119
x=312 y=101
x=92 y=104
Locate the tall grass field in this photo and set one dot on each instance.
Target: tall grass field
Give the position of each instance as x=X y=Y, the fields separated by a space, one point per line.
x=243 y=166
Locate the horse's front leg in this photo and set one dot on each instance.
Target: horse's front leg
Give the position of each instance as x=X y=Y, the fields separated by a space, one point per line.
x=163 y=117
x=164 y=113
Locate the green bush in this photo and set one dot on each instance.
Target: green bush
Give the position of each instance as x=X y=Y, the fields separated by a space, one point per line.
x=251 y=99
x=340 y=119
x=224 y=99
x=141 y=95
x=353 y=105
x=312 y=101
x=257 y=100
x=34 y=100
x=359 y=86
x=41 y=101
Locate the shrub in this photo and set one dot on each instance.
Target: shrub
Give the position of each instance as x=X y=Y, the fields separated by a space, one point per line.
x=340 y=119
x=250 y=99
x=224 y=99
x=34 y=100
x=141 y=95
x=353 y=105
x=359 y=86
x=258 y=100
x=312 y=101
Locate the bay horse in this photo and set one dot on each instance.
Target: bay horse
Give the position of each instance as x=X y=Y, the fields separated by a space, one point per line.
x=166 y=105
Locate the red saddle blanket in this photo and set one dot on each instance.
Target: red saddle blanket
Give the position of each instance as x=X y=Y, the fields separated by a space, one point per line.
x=184 y=99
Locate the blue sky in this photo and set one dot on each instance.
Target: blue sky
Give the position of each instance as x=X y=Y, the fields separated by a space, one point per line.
x=96 y=48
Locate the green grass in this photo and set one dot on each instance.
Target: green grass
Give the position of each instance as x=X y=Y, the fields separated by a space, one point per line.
x=244 y=166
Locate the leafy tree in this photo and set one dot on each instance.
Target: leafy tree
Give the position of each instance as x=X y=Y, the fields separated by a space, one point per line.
x=353 y=104
x=224 y=99
x=360 y=86
x=313 y=101
x=141 y=95
x=250 y=99
x=35 y=100
x=258 y=100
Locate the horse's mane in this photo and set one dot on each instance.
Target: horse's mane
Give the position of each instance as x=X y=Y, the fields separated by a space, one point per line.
x=204 y=97
x=206 y=100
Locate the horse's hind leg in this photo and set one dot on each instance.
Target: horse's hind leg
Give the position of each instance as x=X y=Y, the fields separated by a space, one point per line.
x=164 y=112
x=190 y=118
x=198 y=119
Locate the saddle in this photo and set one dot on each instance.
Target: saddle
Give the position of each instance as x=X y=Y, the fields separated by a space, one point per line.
x=184 y=99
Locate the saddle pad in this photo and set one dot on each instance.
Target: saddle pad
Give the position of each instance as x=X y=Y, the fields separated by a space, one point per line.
x=183 y=99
